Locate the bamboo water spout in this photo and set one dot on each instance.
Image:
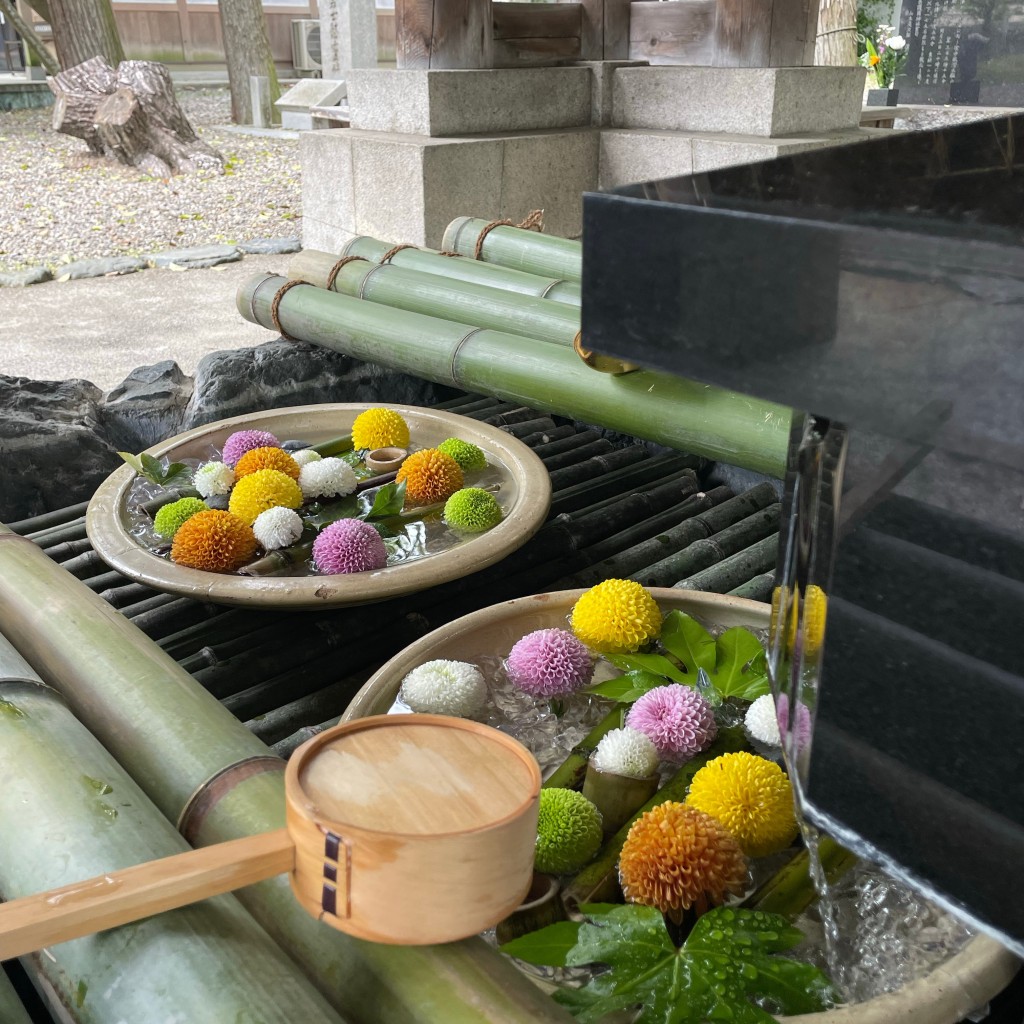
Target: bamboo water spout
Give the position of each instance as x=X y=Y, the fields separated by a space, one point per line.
x=681 y=414
x=205 y=771
x=516 y=248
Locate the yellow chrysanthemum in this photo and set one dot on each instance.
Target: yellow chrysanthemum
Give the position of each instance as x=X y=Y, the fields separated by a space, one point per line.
x=752 y=797
x=266 y=488
x=379 y=428
x=429 y=476
x=214 y=541
x=267 y=458
x=676 y=857
x=616 y=616
x=815 y=611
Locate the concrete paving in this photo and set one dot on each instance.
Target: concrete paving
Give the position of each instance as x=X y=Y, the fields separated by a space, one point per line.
x=101 y=328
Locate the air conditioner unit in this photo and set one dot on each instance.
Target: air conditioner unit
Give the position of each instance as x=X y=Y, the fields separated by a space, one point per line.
x=306 y=45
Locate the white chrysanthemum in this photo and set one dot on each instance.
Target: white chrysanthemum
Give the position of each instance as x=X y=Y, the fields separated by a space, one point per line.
x=213 y=478
x=277 y=527
x=328 y=478
x=304 y=456
x=626 y=752
x=445 y=688
x=762 y=723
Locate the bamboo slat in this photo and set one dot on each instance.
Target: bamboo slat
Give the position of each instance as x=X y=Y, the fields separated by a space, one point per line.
x=516 y=248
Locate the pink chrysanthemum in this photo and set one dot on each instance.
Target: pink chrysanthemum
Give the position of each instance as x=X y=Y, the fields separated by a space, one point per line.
x=349 y=545
x=677 y=720
x=803 y=720
x=548 y=663
x=242 y=441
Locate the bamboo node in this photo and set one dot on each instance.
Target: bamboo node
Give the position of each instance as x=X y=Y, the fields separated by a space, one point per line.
x=603 y=364
x=533 y=221
x=332 y=274
x=386 y=258
x=275 y=305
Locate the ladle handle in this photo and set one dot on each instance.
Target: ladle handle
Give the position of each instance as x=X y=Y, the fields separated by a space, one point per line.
x=34 y=922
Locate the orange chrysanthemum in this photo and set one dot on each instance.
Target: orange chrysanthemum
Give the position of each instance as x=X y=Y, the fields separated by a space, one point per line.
x=266 y=458
x=266 y=488
x=429 y=476
x=751 y=796
x=214 y=541
x=616 y=616
x=379 y=428
x=676 y=857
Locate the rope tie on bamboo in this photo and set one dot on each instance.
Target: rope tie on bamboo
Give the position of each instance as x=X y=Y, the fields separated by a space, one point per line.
x=386 y=258
x=533 y=221
x=332 y=274
x=275 y=305
x=457 y=350
x=446 y=252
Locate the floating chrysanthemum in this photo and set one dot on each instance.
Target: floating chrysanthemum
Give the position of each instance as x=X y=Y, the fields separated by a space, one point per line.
x=277 y=528
x=242 y=441
x=802 y=724
x=815 y=610
x=549 y=663
x=442 y=687
x=568 y=831
x=170 y=518
x=304 y=456
x=266 y=458
x=616 y=616
x=470 y=457
x=213 y=541
x=327 y=478
x=266 y=488
x=213 y=478
x=761 y=721
x=429 y=476
x=472 y=510
x=677 y=720
x=626 y=752
x=379 y=428
x=349 y=545
x=676 y=857
x=751 y=797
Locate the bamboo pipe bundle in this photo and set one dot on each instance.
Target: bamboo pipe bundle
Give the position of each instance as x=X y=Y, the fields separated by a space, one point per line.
x=460 y=301
x=11 y=1009
x=736 y=569
x=47 y=520
x=681 y=414
x=173 y=738
x=315 y=267
x=208 y=961
x=516 y=248
x=758 y=589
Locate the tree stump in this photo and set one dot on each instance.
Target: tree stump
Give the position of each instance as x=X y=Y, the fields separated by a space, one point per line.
x=131 y=116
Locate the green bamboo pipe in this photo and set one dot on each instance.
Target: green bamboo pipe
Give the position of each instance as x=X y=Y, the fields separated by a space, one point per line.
x=71 y=813
x=172 y=737
x=464 y=303
x=315 y=266
x=11 y=1009
x=790 y=890
x=681 y=414
x=516 y=248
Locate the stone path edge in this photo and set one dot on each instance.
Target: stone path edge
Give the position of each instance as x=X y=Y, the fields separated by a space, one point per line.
x=194 y=258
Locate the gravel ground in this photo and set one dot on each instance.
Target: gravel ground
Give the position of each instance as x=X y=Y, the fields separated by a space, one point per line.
x=62 y=204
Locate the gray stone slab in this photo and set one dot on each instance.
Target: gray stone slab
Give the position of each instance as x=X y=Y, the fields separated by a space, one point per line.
x=102 y=267
x=194 y=258
x=451 y=103
x=328 y=194
x=641 y=154
x=459 y=177
x=603 y=72
x=746 y=101
x=21 y=278
x=312 y=92
x=711 y=152
x=325 y=237
x=270 y=246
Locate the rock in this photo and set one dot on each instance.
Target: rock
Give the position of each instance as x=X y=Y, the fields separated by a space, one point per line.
x=282 y=373
x=52 y=453
x=271 y=246
x=196 y=258
x=21 y=278
x=146 y=407
x=105 y=267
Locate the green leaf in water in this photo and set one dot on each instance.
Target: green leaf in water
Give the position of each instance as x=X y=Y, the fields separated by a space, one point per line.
x=549 y=946
x=388 y=501
x=346 y=508
x=80 y=994
x=742 y=667
x=724 y=964
x=155 y=472
x=685 y=638
x=656 y=663
x=629 y=687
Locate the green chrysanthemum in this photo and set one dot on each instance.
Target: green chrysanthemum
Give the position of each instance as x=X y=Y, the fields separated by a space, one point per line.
x=568 y=831
x=469 y=457
x=472 y=509
x=169 y=519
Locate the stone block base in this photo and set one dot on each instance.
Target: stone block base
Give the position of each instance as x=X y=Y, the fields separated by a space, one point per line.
x=743 y=101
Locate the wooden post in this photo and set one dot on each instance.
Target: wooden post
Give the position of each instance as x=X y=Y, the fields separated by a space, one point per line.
x=616 y=29
x=444 y=34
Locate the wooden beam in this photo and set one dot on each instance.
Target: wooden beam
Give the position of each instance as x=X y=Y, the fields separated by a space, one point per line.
x=673 y=31
x=535 y=52
x=536 y=21
x=444 y=34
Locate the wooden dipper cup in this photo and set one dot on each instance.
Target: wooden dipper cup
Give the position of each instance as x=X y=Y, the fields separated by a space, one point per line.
x=404 y=829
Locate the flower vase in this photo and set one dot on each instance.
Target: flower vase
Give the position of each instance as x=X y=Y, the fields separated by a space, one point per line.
x=617 y=797
x=883 y=97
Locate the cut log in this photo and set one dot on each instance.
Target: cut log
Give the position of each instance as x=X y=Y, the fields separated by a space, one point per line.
x=131 y=116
